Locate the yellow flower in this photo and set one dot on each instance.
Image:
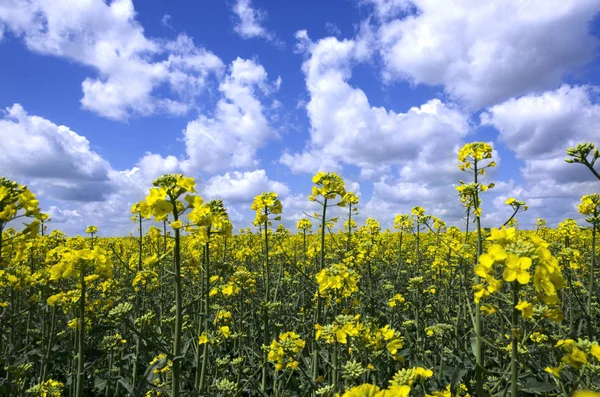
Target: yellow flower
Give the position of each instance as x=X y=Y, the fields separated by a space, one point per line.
x=266 y=204
x=417 y=212
x=395 y=391
x=365 y=390
x=554 y=371
x=502 y=236
x=394 y=345
x=576 y=358
x=586 y=393
x=595 y=351
x=421 y=373
x=176 y=224
x=186 y=184
x=91 y=229
x=495 y=254
x=162 y=208
x=475 y=151
x=480 y=292
x=225 y=331
x=227 y=290
x=155 y=195
x=517 y=269
x=368 y=390
x=387 y=332
x=487 y=309
x=28 y=201
x=538 y=337
x=526 y=309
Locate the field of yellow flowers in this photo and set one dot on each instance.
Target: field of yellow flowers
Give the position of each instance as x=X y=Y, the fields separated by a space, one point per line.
x=188 y=308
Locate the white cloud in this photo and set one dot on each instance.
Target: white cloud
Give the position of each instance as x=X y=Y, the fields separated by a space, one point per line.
x=309 y=162
x=130 y=66
x=242 y=187
x=239 y=126
x=36 y=149
x=58 y=215
x=395 y=196
x=410 y=156
x=73 y=181
x=539 y=128
x=80 y=187
x=484 y=52
x=248 y=22
x=346 y=128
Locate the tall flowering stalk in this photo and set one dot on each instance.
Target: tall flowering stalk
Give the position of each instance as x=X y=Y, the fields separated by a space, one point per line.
x=590 y=206
x=403 y=224
x=162 y=202
x=210 y=219
x=266 y=204
x=473 y=158
x=328 y=186
x=304 y=227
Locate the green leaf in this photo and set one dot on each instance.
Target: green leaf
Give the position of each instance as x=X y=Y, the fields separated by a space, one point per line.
x=535 y=387
x=457 y=376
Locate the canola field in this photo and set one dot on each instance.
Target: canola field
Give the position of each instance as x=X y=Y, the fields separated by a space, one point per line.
x=190 y=307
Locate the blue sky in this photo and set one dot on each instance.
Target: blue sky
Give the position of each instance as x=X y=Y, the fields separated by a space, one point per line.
x=100 y=97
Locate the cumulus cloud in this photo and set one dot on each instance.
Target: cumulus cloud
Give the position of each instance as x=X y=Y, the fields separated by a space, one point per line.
x=80 y=187
x=345 y=127
x=538 y=128
x=392 y=197
x=241 y=187
x=34 y=148
x=107 y=37
x=310 y=162
x=239 y=126
x=410 y=156
x=484 y=52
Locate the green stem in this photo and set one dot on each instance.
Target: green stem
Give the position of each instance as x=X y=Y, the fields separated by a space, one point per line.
x=334 y=369
x=110 y=365
x=200 y=325
x=266 y=309
x=81 y=338
x=478 y=324
x=137 y=298
x=349 y=227
x=49 y=346
x=514 y=362
x=178 y=316
x=315 y=353
x=591 y=282
x=202 y=384
x=399 y=265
